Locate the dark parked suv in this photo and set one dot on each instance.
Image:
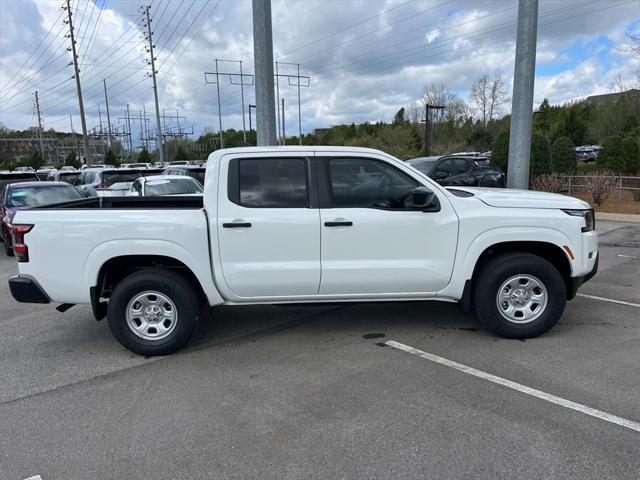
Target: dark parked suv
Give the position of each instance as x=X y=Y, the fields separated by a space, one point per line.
x=459 y=171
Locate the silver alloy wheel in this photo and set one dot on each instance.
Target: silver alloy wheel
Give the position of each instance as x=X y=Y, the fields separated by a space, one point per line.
x=522 y=298
x=151 y=315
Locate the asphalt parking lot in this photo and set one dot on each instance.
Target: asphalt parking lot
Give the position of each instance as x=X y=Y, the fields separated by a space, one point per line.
x=315 y=392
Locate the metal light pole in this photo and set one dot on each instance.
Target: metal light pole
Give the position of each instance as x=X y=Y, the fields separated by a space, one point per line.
x=522 y=103
x=159 y=141
x=250 y=107
x=263 y=66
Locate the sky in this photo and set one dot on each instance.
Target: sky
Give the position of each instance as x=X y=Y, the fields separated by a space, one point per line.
x=364 y=58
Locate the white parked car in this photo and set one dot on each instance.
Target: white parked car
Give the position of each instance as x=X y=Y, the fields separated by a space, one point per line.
x=23 y=169
x=106 y=182
x=162 y=185
x=67 y=168
x=307 y=224
x=135 y=165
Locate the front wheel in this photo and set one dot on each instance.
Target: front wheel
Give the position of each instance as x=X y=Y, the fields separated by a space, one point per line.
x=153 y=312
x=519 y=295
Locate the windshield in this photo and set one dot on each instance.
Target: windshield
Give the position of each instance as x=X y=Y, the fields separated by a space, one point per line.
x=198 y=174
x=423 y=166
x=41 y=195
x=69 y=177
x=174 y=186
x=120 y=177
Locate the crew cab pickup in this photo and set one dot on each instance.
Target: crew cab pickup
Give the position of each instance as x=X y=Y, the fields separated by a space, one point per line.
x=306 y=225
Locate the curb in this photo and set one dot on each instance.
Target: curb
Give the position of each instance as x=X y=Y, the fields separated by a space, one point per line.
x=618 y=217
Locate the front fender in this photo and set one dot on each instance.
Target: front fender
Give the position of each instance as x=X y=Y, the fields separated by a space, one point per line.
x=469 y=254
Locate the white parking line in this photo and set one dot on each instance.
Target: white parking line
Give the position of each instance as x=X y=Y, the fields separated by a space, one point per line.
x=623 y=422
x=610 y=300
x=35 y=477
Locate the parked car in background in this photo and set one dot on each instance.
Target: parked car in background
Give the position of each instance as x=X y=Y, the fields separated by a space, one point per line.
x=188 y=170
x=67 y=176
x=23 y=169
x=148 y=172
x=135 y=165
x=162 y=185
x=459 y=171
x=587 y=153
x=180 y=162
x=68 y=168
x=106 y=182
x=84 y=167
x=30 y=194
x=7 y=178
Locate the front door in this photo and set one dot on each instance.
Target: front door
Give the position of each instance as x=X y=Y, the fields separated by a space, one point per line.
x=268 y=230
x=373 y=239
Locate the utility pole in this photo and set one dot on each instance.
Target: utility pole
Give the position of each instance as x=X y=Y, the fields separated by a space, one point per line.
x=219 y=107
x=39 y=127
x=159 y=141
x=263 y=67
x=278 y=105
x=284 y=134
x=100 y=120
x=299 y=111
x=130 y=139
x=85 y=137
x=250 y=107
x=244 y=127
x=106 y=101
x=427 y=125
x=146 y=138
x=522 y=103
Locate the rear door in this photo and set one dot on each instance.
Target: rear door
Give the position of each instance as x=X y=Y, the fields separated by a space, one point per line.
x=268 y=225
x=373 y=240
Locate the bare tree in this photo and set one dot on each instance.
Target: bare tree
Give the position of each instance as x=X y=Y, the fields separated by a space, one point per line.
x=488 y=96
x=438 y=94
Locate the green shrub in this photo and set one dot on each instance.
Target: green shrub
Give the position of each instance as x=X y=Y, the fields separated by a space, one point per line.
x=500 y=152
x=611 y=156
x=540 y=155
x=631 y=151
x=563 y=155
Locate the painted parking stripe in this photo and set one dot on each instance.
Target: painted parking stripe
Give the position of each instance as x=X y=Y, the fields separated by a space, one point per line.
x=610 y=300
x=607 y=417
x=35 y=477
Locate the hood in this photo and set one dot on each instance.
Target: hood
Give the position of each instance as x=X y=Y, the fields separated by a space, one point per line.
x=512 y=198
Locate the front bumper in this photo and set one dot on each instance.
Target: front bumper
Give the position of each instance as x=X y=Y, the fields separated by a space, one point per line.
x=26 y=290
x=576 y=282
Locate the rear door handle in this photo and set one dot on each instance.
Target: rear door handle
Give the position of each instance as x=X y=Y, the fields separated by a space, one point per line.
x=338 y=224
x=236 y=225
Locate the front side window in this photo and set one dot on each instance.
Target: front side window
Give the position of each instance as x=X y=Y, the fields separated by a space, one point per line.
x=365 y=183
x=271 y=183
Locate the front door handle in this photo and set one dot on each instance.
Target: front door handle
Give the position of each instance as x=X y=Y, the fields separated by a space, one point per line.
x=338 y=224
x=236 y=225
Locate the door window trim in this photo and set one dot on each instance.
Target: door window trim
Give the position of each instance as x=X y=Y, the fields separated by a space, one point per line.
x=326 y=187
x=233 y=181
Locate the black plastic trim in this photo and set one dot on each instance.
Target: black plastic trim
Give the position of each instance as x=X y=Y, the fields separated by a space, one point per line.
x=577 y=282
x=25 y=290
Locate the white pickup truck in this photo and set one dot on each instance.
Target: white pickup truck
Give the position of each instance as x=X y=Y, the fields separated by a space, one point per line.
x=293 y=225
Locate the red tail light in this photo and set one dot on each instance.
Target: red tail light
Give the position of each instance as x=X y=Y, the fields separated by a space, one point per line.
x=104 y=185
x=20 y=250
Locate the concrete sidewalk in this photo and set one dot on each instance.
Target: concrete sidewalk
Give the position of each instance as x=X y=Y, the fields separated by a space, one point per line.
x=618 y=217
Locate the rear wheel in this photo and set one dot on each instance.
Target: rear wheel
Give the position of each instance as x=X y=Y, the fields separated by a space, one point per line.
x=519 y=295
x=153 y=312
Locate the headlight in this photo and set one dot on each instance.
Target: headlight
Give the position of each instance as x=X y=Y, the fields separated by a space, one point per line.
x=589 y=218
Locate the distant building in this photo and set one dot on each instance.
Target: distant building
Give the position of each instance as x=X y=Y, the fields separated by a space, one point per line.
x=612 y=97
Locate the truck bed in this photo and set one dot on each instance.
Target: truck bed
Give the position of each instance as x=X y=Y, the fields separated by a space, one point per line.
x=155 y=203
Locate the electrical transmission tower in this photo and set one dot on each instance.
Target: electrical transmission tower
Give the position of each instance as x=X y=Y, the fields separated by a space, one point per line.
x=241 y=82
x=151 y=62
x=296 y=83
x=72 y=49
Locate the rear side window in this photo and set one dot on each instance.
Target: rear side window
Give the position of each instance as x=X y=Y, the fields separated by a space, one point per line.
x=118 y=177
x=269 y=183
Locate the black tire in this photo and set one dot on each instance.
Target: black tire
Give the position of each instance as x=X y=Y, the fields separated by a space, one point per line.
x=173 y=286
x=504 y=267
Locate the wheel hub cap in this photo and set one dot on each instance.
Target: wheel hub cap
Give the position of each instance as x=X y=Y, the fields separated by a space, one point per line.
x=151 y=315
x=522 y=298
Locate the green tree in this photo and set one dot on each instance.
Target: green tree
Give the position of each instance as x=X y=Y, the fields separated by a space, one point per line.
x=563 y=155
x=111 y=159
x=572 y=123
x=72 y=160
x=144 y=156
x=35 y=160
x=631 y=150
x=181 y=154
x=540 y=155
x=612 y=155
x=543 y=117
x=399 y=118
x=500 y=152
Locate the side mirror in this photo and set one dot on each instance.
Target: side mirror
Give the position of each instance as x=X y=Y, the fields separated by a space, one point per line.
x=424 y=198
